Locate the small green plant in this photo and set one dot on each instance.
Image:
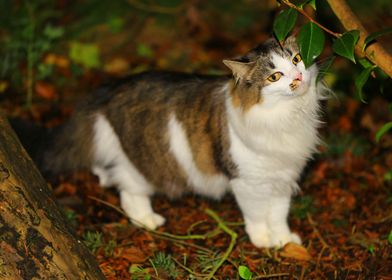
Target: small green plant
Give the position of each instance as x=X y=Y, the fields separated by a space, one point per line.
x=137 y=272
x=71 y=217
x=27 y=36
x=110 y=247
x=244 y=272
x=93 y=240
x=164 y=265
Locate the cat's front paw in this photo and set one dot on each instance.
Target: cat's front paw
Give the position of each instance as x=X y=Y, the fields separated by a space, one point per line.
x=279 y=240
x=150 y=221
x=259 y=235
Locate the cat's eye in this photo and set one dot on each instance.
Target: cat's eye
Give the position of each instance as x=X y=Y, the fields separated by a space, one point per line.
x=297 y=59
x=275 y=77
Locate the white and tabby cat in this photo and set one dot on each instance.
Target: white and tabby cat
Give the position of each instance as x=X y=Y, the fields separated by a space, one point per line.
x=250 y=134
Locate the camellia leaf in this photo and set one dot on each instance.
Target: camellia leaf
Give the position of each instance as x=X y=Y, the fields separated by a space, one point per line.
x=345 y=45
x=375 y=35
x=284 y=23
x=244 y=272
x=361 y=80
x=324 y=68
x=311 y=42
x=384 y=129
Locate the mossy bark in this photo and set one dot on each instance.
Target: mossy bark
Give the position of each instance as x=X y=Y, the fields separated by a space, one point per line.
x=35 y=240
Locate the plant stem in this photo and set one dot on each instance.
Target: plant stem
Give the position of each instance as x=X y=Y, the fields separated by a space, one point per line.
x=233 y=240
x=300 y=10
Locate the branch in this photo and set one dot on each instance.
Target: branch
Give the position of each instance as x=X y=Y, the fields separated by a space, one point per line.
x=301 y=11
x=375 y=52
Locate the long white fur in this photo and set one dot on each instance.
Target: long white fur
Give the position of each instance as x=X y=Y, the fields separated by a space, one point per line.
x=270 y=144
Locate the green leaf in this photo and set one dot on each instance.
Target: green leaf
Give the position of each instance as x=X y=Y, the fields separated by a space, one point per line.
x=85 y=54
x=312 y=3
x=324 y=68
x=375 y=35
x=390 y=237
x=311 y=42
x=361 y=80
x=244 y=272
x=284 y=23
x=345 y=45
x=384 y=129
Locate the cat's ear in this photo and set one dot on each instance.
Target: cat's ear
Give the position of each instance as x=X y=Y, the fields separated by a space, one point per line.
x=240 y=69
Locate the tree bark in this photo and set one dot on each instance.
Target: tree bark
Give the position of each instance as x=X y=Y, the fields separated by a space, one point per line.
x=35 y=240
x=375 y=52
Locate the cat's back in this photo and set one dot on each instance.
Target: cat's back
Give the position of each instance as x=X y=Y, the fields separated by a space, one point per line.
x=160 y=88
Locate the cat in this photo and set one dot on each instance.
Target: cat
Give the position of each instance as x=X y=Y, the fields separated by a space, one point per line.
x=250 y=133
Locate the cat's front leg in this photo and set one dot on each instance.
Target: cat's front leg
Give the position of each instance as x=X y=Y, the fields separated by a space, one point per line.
x=254 y=205
x=277 y=220
x=138 y=208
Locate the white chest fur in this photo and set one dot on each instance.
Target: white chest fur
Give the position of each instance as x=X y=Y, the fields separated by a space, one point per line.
x=271 y=144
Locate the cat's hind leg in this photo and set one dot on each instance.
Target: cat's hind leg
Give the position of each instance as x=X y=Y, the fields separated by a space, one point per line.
x=114 y=168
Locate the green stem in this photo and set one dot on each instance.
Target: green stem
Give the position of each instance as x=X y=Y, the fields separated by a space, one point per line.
x=233 y=236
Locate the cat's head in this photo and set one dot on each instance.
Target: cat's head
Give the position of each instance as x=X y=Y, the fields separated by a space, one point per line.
x=271 y=70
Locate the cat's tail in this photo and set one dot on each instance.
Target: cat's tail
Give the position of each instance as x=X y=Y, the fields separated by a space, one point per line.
x=60 y=149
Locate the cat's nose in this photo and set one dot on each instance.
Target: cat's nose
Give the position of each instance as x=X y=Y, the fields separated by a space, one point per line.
x=298 y=76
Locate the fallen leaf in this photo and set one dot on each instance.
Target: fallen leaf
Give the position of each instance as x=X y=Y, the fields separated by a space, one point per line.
x=45 y=90
x=133 y=255
x=295 y=251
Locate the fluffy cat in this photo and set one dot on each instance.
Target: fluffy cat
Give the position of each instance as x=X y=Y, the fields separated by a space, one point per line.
x=251 y=133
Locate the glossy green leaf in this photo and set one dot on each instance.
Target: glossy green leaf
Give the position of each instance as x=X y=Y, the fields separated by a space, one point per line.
x=323 y=70
x=375 y=35
x=284 y=23
x=384 y=129
x=311 y=42
x=345 y=45
x=390 y=237
x=244 y=272
x=312 y=3
x=361 y=80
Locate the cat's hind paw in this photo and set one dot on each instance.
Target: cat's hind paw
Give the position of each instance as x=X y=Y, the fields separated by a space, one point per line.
x=150 y=221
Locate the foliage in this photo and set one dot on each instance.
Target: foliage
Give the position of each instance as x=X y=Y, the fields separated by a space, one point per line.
x=163 y=264
x=244 y=272
x=93 y=240
x=311 y=41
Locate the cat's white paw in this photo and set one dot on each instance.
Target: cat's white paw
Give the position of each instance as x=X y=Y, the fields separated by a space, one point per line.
x=279 y=240
x=150 y=221
x=259 y=235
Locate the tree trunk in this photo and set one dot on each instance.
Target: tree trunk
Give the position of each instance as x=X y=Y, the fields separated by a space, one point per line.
x=35 y=240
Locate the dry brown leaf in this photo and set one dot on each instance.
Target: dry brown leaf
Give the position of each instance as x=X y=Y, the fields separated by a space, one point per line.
x=295 y=251
x=45 y=90
x=133 y=255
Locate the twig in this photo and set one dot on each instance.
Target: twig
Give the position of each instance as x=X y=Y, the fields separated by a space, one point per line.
x=300 y=10
x=166 y=234
x=233 y=240
x=375 y=52
x=188 y=269
x=316 y=231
